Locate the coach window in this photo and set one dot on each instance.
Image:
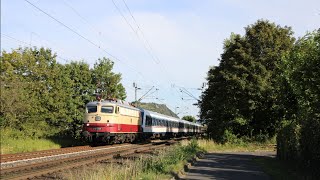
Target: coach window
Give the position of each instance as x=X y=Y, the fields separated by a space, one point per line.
x=107 y=109
x=91 y=109
x=148 y=121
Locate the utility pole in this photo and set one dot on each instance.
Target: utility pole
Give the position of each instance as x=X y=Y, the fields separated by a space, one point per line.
x=136 y=88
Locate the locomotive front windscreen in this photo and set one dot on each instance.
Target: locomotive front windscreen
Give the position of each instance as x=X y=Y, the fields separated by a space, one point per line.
x=91 y=109
x=107 y=109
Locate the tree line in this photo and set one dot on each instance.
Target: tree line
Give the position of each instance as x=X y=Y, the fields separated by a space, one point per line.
x=267 y=84
x=41 y=97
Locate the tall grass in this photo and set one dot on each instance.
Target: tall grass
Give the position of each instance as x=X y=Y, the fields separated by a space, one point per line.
x=211 y=146
x=14 y=141
x=158 y=165
x=9 y=146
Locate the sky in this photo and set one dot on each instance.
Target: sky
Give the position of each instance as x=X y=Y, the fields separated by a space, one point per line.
x=163 y=45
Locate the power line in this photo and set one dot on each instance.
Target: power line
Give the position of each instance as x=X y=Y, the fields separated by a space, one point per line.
x=134 y=19
x=135 y=31
x=23 y=42
x=61 y=23
x=150 y=49
x=87 y=39
x=10 y=37
x=83 y=37
x=93 y=29
x=154 y=57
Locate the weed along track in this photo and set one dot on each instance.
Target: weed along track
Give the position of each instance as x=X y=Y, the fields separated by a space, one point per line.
x=32 y=165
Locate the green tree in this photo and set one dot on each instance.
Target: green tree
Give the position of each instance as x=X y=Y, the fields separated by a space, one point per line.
x=34 y=77
x=189 y=118
x=244 y=90
x=41 y=97
x=303 y=73
x=107 y=82
x=81 y=93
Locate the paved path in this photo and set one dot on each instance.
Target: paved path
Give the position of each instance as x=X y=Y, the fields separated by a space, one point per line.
x=228 y=166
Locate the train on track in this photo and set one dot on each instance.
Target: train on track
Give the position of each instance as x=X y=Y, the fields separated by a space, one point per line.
x=116 y=121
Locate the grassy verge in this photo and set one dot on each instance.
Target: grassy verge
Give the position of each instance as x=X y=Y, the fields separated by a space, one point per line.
x=211 y=146
x=158 y=165
x=12 y=144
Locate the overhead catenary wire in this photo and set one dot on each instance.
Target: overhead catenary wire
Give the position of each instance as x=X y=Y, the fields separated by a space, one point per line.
x=138 y=26
x=23 y=42
x=135 y=32
x=87 y=39
x=142 y=33
x=88 y=23
x=154 y=57
x=83 y=37
x=92 y=28
x=150 y=49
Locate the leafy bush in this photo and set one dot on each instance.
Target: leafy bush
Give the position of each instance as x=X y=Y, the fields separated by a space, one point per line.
x=166 y=160
x=310 y=144
x=261 y=137
x=288 y=142
x=229 y=137
x=159 y=165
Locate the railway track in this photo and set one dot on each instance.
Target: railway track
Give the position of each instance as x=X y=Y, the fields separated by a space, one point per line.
x=37 y=164
x=19 y=156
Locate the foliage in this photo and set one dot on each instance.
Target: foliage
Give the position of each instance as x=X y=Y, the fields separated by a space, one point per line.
x=239 y=145
x=159 y=108
x=282 y=169
x=108 y=83
x=41 y=98
x=81 y=89
x=189 y=118
x=244 y=94
x=158 y=165
x=288 y=142
x=303 y=74
x=15 y=141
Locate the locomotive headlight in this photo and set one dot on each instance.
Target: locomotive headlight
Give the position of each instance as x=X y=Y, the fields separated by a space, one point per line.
x=98 y=118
